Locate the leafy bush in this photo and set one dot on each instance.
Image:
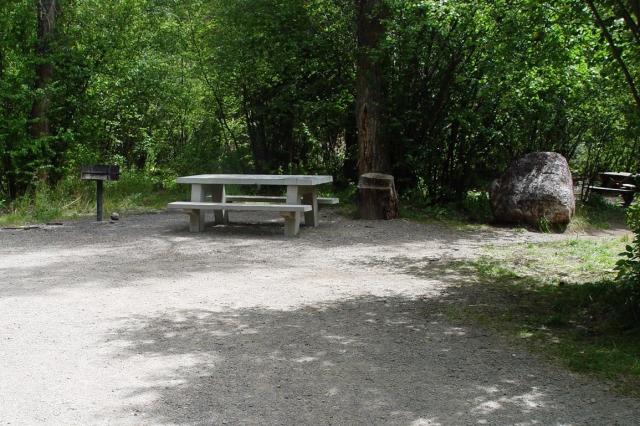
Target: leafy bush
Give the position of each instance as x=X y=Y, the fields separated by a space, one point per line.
x=628 y=268
x=633 y=216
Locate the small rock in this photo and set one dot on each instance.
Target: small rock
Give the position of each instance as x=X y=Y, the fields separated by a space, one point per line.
x=115 y=216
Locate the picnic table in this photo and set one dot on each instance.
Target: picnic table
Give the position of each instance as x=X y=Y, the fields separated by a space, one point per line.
x=617 y=184
x=301 y=198
x=617 y=179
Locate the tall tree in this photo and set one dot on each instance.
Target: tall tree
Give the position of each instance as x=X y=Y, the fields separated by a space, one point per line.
x=377 y=197
x=47 y=11
x=373 y=150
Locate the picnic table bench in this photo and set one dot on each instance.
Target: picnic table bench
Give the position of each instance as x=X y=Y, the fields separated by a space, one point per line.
x=301 y=198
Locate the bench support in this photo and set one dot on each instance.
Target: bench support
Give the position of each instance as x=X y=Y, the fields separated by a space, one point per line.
x=291 y=225
x=218 y=196
x=292 y=219
x=196 y=217
x=310 y=197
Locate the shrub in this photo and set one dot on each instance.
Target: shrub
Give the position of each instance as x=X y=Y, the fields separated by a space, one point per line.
x=628 y=266
x=633 y=216
x=477 y=206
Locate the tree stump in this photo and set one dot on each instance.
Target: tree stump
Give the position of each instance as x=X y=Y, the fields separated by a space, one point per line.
x=377 y=197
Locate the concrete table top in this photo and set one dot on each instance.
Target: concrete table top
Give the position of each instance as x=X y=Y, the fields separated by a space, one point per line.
x=240 y=179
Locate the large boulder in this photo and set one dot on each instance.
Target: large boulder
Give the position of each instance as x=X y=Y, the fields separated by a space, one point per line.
x=535 y=188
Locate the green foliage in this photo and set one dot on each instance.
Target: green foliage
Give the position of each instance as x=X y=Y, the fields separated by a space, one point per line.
x=474 y=208
x=544 y=225
x=269 y=86
x=596 y=213
x=462 y=105
x=283 y=67
x=477 y=206
x=633 y=216
x=629 y=265
x=136 y=191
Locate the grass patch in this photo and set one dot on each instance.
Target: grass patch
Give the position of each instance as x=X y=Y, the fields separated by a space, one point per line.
x=135 y=192
x=575 y=260
x=473 y=211
x=561 y=299
x=348 y=204
x=597 y=214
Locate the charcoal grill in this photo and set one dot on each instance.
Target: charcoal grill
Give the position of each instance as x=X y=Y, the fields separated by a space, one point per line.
x=99 y=174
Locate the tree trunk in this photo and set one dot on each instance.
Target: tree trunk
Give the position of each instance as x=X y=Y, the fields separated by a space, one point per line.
x=377 y=196
x=255 y=129
x=373 y=153
x=47 y=11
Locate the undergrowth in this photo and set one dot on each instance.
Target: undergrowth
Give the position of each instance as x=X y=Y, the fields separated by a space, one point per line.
x=564 y=300
x=475 y=209
x=136 y=191
x=597 y=213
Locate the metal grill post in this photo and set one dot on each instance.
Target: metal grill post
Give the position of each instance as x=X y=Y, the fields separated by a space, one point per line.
x=100 y=173
x=99 y=200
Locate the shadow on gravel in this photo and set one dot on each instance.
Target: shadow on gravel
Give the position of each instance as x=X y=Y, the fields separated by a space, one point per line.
x=159 y=246
x=363 y=361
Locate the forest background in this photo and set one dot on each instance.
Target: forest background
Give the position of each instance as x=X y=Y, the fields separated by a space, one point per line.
x=166 y=87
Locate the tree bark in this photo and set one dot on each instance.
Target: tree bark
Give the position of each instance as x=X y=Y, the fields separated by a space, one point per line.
x=47 y=11
x=373 y=153
x=255 y=129
x=377 y=196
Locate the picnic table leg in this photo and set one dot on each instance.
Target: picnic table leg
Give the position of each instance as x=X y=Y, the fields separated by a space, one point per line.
x=292 y=220
x=310 y=197
x=196 y=217
x=218 y=196
x=628 y=199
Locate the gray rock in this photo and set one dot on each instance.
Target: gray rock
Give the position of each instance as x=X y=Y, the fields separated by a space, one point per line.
x=538 y=186
x=115 y=216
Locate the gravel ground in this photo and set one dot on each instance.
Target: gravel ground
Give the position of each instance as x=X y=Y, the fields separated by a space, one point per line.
x=141 y=322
